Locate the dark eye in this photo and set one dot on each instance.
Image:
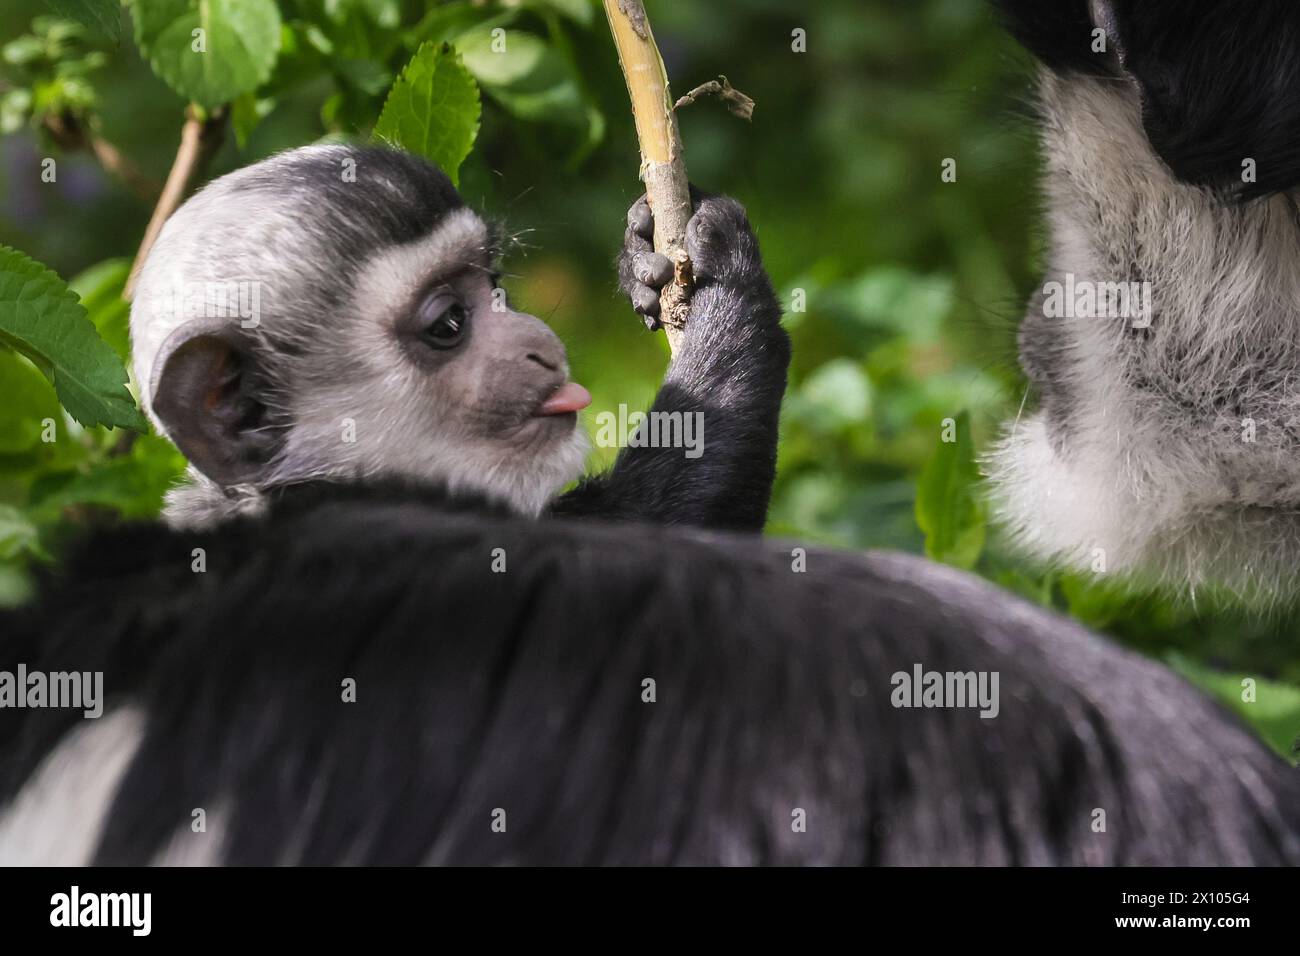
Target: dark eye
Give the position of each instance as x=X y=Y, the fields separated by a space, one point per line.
x=443 y=322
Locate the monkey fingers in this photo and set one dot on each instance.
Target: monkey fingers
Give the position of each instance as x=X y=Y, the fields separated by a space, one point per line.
x=640 y=220
x=642 y=271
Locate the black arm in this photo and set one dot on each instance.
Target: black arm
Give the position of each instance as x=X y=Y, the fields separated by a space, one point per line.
x=728 y=376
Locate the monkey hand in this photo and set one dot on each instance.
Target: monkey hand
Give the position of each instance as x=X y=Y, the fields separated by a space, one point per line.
x=719 y=241
x=729 y=369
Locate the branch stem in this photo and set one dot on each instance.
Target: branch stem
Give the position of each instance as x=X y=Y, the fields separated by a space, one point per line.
x=71 y=133
x=201 y=136
x=662 y=168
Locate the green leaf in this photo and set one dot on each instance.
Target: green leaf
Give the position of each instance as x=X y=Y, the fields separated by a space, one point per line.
x=42 y=318
x=18 y=535
x=102 y=15
x=580 y=10
x=505 y=58
x=236 y=50
x=524 y=74
x=28 y=402
x=246 y=113
x=385 y=13
x=447 y=21
x=948 y=507
x=433 y=109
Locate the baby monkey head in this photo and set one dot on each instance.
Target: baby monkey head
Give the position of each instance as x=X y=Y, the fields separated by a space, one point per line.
x=334 y=312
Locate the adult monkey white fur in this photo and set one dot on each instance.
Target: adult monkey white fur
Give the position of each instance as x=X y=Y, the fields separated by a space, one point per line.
x=333 y=312
x=1167 y=441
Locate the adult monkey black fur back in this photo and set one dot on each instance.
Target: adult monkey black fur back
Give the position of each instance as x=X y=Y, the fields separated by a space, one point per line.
x=382 y=347
x=1166 y=443
x=509 y=718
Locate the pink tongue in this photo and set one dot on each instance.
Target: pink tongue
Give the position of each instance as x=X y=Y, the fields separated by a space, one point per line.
x=569 y=397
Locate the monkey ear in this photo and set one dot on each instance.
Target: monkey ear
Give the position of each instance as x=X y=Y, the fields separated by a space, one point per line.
x=206 y=393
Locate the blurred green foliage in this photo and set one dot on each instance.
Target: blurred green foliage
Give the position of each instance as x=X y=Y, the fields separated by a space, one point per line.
x=903 y=290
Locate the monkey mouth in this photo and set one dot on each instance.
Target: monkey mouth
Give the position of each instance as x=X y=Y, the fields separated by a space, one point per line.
x=568 y=398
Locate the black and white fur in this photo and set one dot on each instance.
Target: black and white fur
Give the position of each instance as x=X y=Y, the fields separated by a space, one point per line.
x=1171 y=451
x=480 y=693
x=517 y=693
x=343 y=245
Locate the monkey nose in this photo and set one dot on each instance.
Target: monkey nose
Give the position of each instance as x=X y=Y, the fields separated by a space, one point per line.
x=550 y=364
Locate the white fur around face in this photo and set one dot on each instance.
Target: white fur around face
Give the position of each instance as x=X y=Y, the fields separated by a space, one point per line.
x=392 y=434
x=1144 y=464
x=358 y=407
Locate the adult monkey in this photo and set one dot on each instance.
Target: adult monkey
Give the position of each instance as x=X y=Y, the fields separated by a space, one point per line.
x=1167 y=437
x=382 y=348
x=350 y=681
